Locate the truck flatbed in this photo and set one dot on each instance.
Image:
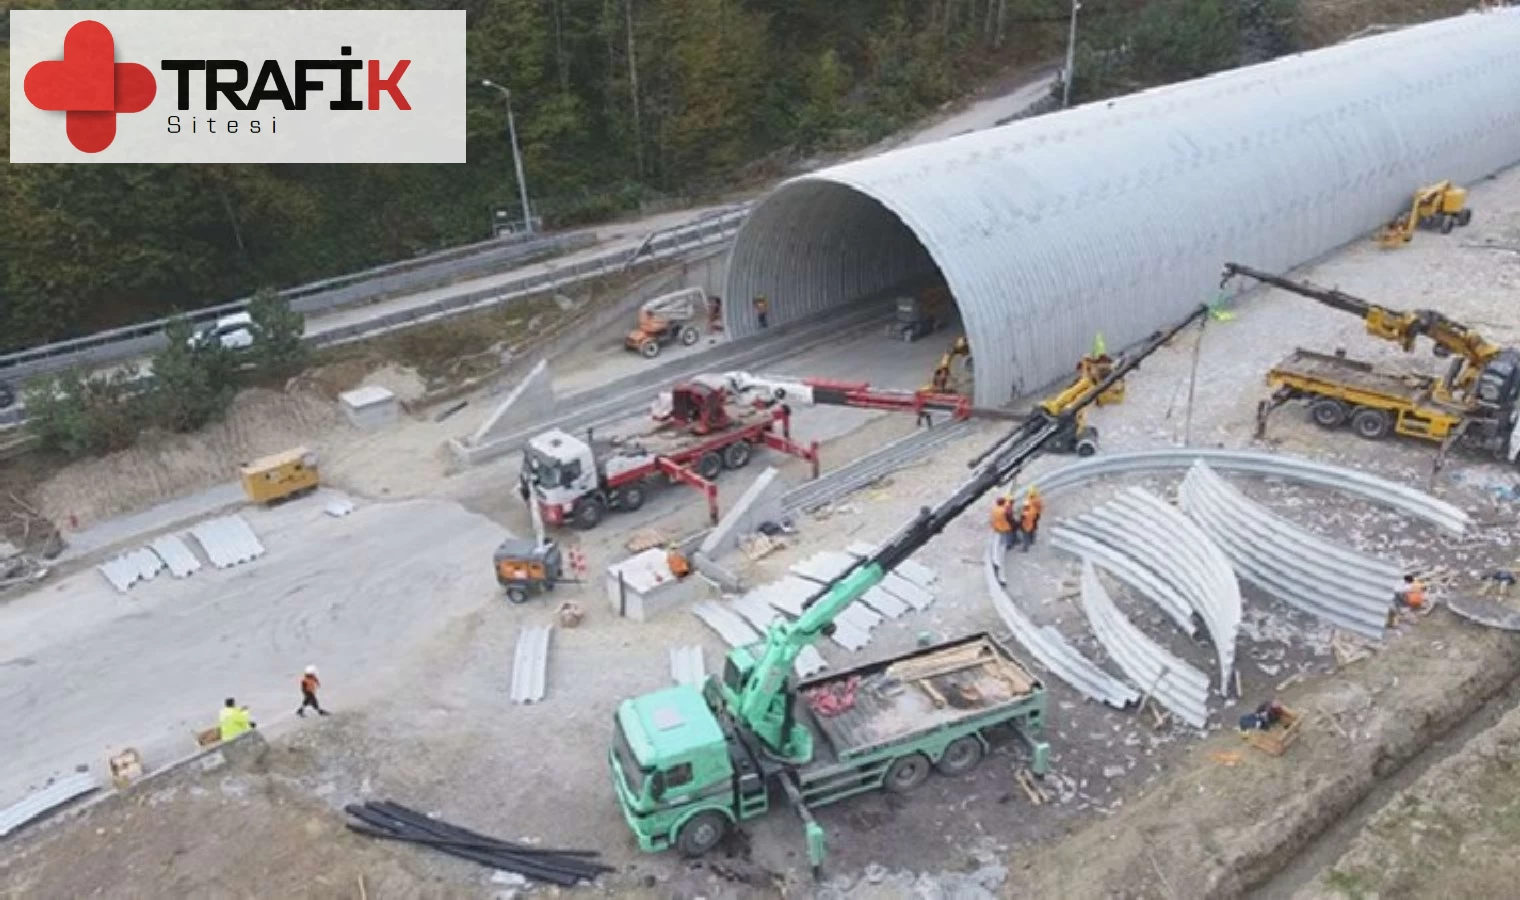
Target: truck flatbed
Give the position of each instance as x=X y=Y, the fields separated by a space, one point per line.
x=901 y=698
x=1354 y=373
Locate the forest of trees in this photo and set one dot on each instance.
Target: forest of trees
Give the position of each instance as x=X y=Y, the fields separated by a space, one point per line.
x=617 y=103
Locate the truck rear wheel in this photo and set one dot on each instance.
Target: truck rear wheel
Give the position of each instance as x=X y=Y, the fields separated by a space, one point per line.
x=517 y=594
x=709 y=466
x=907 y=773
x=961 y=756
x=690 y=335
x=588 y=513
x=1464 y=217
x=1372 y=424
x=1328 y=413
x=701 y=833
x=736 y=455
x=630 y=497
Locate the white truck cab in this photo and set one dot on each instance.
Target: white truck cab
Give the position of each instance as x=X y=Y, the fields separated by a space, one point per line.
x=234 y=332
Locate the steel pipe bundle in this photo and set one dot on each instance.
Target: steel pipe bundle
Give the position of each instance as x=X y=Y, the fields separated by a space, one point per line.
x=395 y=822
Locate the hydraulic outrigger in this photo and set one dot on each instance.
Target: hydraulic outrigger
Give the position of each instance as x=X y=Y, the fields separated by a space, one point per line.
x=687 y=764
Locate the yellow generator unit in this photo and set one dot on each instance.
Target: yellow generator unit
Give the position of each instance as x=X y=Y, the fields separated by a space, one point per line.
x=290 y=474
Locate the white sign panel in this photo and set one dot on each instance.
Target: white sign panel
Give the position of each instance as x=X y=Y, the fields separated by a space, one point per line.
x=221 y=86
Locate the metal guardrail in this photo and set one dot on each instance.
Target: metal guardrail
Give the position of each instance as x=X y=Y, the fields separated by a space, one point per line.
x=669 y=243
x=359 y=287
x=395 y=278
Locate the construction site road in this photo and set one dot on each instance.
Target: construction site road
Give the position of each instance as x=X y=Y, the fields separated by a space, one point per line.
x=89 y=671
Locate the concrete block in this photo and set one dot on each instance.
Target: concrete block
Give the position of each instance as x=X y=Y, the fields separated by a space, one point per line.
x=760 y=503
x=532 y=400
x=370 y=407
x=642 y=586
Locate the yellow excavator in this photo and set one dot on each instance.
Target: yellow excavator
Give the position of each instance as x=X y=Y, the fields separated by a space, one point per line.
x=1474 y=404
x=1076 y=435
x=1441 y=205
x=948 y=377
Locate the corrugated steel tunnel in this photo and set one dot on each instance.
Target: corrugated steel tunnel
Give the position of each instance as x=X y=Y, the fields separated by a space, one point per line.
x=1116 y=217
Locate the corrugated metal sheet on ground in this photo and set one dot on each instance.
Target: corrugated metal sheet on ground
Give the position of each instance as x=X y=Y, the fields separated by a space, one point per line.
x=177 y=555
x=340 y=507
x=734 y=631
x=228 y=541
x=530 y=667
x=56 y=794
x=789 y=594
x=809 y=662
x=1172 y=682
x=849 y=636
x=861 y=549
x=907 y=591
x=859 y=616
x=884 y=603
x=687 y=665
x=755 y=610
x=128 y=569
x=918 y=573
x=825 y=566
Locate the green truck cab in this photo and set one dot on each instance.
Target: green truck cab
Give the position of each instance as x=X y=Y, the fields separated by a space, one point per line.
x=684 y=774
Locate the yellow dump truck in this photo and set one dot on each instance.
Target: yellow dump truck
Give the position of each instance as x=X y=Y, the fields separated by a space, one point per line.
x=274 y=478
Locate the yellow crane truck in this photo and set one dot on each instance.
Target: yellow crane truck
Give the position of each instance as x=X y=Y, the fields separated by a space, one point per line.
x=1473 y=405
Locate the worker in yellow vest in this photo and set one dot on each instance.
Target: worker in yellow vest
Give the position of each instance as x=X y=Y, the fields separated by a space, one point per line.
x=234 y=720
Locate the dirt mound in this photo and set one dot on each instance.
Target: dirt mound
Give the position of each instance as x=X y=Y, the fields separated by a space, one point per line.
x=165 y=466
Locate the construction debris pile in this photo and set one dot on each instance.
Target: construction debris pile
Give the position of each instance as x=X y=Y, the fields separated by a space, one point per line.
x=395 y=822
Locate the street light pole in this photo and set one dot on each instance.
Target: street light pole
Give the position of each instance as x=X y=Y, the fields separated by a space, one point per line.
x=1071 y=57
x=522 y=184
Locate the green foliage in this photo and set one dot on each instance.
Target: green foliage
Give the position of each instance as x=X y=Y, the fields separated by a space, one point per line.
x=1164 y=41
x=193 y=380
x=78 y=416
x=277 y=350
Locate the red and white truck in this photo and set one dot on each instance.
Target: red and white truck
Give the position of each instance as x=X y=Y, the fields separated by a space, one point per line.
x=702 y=432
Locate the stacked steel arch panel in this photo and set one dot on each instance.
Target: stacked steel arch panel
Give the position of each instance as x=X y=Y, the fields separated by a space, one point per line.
x=1349 y=589
x=1173 y=683
x=1132 y=572
x=1049 y=646
x=1159 y=537
x=1370 y=487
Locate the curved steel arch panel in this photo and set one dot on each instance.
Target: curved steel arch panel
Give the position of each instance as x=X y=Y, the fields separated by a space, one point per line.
x=1115 y=217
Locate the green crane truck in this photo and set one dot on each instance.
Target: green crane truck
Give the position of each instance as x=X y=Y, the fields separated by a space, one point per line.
x=687 y=764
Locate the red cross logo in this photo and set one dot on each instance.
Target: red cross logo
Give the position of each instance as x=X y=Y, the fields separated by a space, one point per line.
x=89 y=86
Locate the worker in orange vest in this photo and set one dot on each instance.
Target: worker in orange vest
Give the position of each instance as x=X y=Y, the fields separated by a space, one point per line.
x=1002 y=522
x=309 y=685
x=1029 y=516
x=1411 y=596
x=679 y=567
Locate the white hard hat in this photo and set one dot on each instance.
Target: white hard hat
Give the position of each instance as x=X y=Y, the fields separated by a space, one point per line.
x=311 y=670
